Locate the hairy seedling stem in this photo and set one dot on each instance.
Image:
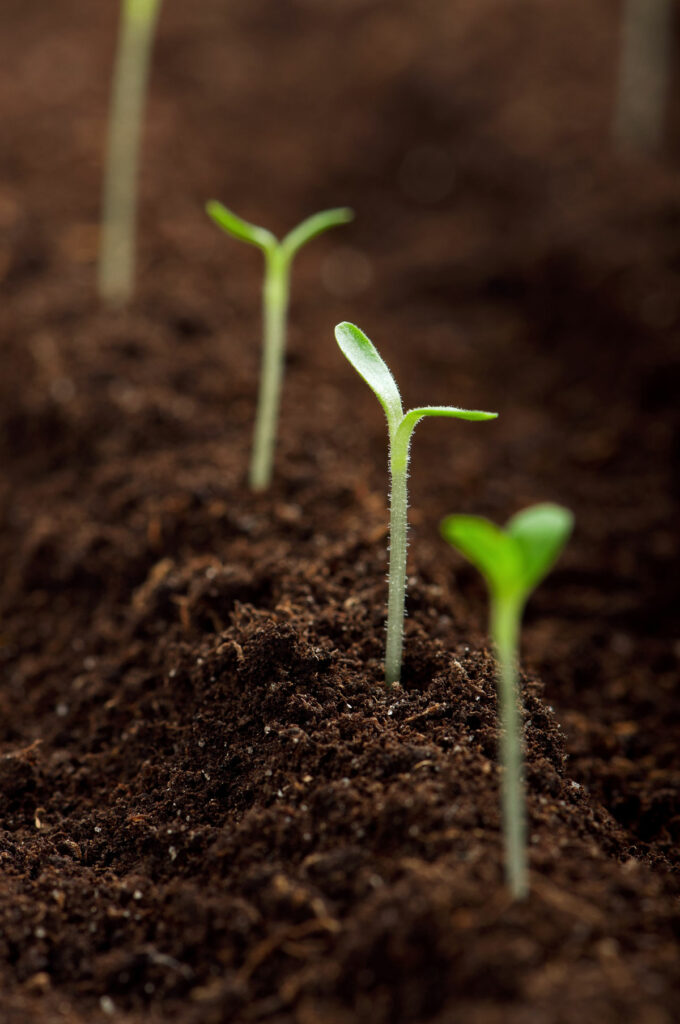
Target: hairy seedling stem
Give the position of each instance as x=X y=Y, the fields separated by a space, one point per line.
x=364 y=357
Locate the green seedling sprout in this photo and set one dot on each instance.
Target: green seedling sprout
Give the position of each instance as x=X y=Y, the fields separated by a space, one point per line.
x=275 y=296
x=363 y=356
x=130 y=75
x=513 y=561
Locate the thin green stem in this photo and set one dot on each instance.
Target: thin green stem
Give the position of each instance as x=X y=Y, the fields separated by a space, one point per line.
x=131 y=72
x=505 y=623
x=396 y=599
x=275 y=297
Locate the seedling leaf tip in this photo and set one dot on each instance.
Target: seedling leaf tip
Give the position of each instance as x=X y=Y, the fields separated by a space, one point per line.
x=367 y=361
x=540 y=533
x=239 y=228
x=313 y=226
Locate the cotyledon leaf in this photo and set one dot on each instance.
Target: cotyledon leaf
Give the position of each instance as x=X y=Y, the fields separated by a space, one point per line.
x=239 y=228
x=366 y=360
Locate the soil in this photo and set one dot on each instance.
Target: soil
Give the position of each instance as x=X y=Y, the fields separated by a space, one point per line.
x=211 y=810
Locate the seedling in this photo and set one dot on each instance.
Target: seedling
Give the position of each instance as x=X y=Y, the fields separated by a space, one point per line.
x=275 y=296
x=513 y=561
x=365 y=359
x=130 y=75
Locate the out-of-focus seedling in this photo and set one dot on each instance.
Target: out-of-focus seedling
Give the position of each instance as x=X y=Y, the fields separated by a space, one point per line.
x=513 y=561
x=645 y=75
x=365 y=359
x=275 y=296
x=130 y=75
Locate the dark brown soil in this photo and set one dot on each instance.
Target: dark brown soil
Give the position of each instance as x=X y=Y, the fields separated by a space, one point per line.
x=210 y=809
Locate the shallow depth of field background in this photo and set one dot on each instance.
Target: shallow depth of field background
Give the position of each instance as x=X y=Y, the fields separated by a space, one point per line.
x=510 y=252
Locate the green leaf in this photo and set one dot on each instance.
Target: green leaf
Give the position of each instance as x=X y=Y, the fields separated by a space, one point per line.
x=414 y=416
x=451 y=410
x=313 y=226
x=238 y=228
x=514 y=560
x=540 y=533
x=364 y=357
x=496 y=555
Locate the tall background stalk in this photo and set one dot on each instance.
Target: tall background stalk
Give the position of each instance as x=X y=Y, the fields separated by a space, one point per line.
x=644 y=73
x=119 y=210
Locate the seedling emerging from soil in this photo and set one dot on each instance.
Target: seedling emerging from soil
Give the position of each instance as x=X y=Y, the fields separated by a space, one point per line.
x=131 y=71
x=513 y=561
x=365 y=359
x=275 y=295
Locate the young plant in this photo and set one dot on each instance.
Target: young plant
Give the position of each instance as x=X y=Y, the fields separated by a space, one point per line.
x=513 y=561
x=364 y=357
x=275 y=296
x=130 y=75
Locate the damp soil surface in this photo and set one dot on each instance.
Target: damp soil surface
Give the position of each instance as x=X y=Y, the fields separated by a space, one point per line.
x=211 y=810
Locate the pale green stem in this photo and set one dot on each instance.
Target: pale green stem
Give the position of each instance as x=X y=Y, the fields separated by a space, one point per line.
x=398 y=547
x=505 y=623
x=131 y=71
x=644 y=73
x=274 y=312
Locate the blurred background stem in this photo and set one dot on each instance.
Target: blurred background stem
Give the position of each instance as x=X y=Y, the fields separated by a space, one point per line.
x=275 y=299
x=130 y=75
x=644 y=74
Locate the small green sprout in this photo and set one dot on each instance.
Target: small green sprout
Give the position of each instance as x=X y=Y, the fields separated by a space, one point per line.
x=363 y=356
x=130 y=75
x=275 y=295
x=513 y=562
